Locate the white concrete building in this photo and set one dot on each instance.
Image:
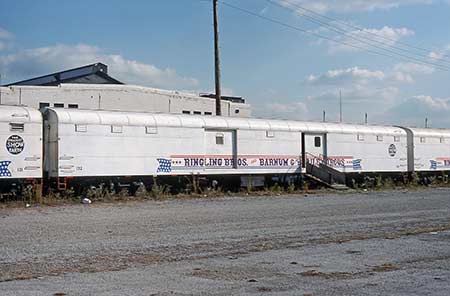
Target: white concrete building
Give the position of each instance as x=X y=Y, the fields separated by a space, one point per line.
x=90 y=87
x=117 y=97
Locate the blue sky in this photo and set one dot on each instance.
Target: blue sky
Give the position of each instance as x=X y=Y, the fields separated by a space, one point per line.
x=281 y=72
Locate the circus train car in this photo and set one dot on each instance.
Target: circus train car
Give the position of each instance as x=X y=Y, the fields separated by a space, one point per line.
x=91 y=146
x=21 y=149
x=78 y=148
x=87 y=146
x=429 y=150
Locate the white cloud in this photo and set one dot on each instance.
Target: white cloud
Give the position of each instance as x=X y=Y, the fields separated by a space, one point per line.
x=264 y=10
x=357 y=100
x=39 y=61
x=375 y=92
x=440 y=54
x=5 y=39
x=340 y=76
x=324 y=6
x=431 y=103
x=375 y=39
x=414 y=68
x=291 y=110
x=414 y=110
x=403 y=72
x=4 y=34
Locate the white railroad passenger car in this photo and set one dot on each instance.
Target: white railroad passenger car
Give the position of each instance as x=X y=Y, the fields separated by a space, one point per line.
x=87 y=143
x=429 y=149
x=355 y=148
x=21 y=146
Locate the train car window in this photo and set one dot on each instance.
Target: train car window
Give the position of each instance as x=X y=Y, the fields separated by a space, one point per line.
x=151 y=130
x=186 y=112
x=73 y=106
x=379 y=138
x=43 y=105
x=396 y=139
x=208 y=113
x=360 y=137
x=219 y=139
x=16 y=127
x=58 y=105
x=116 y=129
x=197 y=113
x=442 y=140
x=80 y=128
x=422 y=140
x=270 y=134
x=317 y=142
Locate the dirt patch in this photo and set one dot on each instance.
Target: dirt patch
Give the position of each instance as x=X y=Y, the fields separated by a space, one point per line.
x=385 y=268
x=234 y=273
x=327 y=275
x=123 y=260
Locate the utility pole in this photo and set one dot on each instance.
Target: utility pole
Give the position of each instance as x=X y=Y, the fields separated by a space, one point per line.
x=217 y=59
x=0 y=89
x=340 y=106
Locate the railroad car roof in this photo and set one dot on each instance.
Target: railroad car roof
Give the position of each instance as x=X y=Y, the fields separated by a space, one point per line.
x=19 y=114
x=78 y=116
x=431 y=132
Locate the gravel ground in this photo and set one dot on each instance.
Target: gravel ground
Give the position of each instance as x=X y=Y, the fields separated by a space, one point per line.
x=390 y=243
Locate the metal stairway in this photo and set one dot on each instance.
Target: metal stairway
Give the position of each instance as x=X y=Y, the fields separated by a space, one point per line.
x=326 y=175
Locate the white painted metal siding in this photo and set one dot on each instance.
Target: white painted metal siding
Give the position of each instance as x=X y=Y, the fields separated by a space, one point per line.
x=183 y=144
x=119 y=98
x=348 y=154
x=431 y=149
x=310 y=146
x=269 y=151
x=20 y=151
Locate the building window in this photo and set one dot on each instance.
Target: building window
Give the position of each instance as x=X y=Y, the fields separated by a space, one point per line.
x=360 y=137
x=317 y=142
x=197 y=113
x=73 y=106
x=270 y=134
x=43 y=105
x=80 y=128
x=58 y=105
x=151 y=130
x=208 y=113
x=379 y=138
x=220 y=139
x=186 y=112
x=116 y=129
x=396 y=138
x=16 y=127
x=422 y=140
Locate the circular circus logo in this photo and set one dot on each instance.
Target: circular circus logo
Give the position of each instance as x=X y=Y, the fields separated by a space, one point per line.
x=15 y=144
x=392 y=150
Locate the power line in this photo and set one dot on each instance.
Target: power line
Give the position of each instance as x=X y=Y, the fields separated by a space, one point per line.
x=363 y=39
x=358 y=28
x=299 y=29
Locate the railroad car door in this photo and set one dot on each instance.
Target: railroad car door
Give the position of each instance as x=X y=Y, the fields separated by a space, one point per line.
x=314 y=147
x=220 y=149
